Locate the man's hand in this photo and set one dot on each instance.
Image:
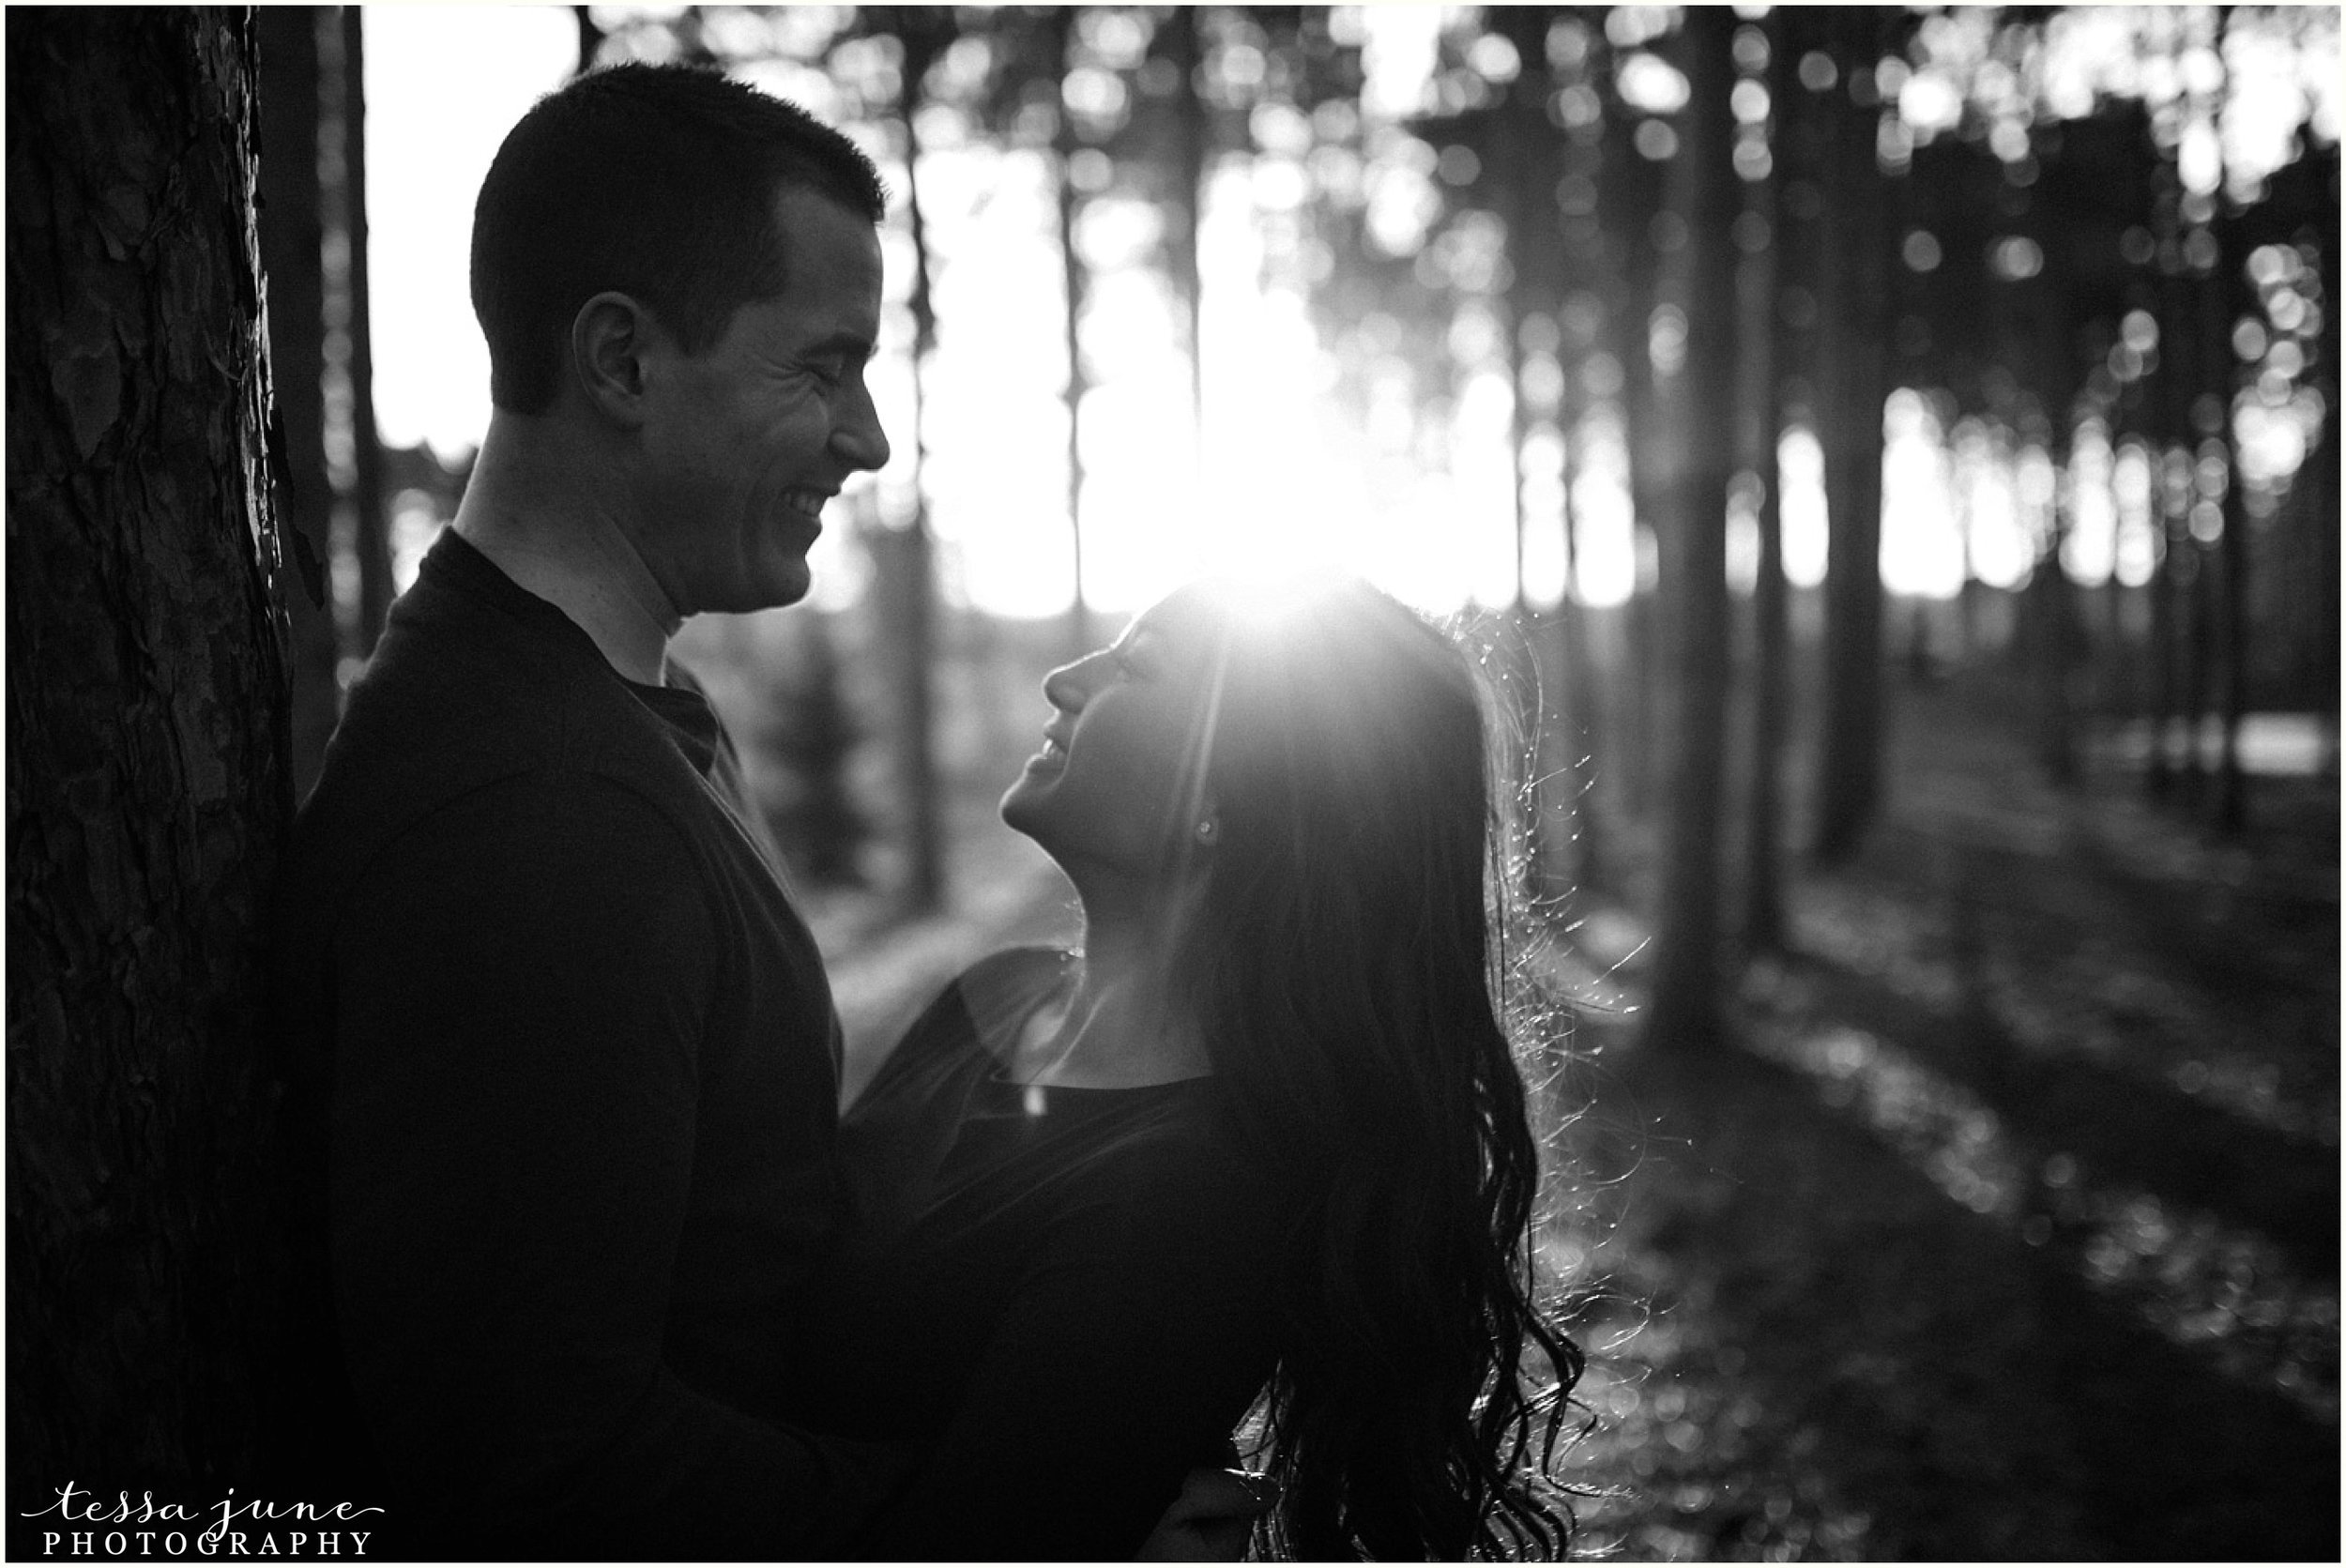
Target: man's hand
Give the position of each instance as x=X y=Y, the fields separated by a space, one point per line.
x=1211 y=1519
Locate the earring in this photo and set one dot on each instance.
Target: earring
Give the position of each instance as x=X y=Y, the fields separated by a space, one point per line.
x=1207 y=831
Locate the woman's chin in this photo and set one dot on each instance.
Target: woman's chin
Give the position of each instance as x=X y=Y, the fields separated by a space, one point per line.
x=1026 y=809
x=1018 y=807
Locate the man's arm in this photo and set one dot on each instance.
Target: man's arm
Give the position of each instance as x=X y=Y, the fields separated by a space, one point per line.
x=521 y=985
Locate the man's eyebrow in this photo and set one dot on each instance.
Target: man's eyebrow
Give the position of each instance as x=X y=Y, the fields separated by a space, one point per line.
x=841 y=341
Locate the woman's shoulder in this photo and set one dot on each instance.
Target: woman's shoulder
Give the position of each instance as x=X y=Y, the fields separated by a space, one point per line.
x=998 y=992
x=960 y=1025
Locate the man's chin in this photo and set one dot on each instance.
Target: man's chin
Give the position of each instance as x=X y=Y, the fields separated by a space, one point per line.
x=772 y=590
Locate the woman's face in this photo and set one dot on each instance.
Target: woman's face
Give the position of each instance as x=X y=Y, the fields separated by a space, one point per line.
x=1104 y=792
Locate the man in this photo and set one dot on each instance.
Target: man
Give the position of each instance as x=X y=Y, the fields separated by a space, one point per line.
x=582 y=1055
x=570 y=1050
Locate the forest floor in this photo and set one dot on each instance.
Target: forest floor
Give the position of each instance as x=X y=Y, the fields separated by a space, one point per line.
x=2006 y=1223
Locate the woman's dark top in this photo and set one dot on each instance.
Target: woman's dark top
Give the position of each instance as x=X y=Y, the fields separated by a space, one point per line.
x=1065 y=1290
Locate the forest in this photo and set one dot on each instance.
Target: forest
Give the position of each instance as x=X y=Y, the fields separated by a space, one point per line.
x=1885 y=459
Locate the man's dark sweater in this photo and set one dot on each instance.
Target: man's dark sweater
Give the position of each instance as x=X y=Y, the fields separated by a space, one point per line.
x=583 y=1070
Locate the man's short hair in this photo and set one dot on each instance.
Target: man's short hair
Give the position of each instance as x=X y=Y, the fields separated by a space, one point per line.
x=655 y=181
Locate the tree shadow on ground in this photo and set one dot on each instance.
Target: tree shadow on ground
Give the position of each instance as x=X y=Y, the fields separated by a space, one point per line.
x=2006 y=1224
x=1870 y=1371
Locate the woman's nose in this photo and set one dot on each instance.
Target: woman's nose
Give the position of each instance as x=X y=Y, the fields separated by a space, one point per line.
x=1063 y=688
x=1069 y=687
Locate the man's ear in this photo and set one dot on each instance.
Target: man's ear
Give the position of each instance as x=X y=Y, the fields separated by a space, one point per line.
x=609 y=339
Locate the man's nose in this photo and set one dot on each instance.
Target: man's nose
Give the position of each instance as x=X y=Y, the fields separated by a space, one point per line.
x=858 y=438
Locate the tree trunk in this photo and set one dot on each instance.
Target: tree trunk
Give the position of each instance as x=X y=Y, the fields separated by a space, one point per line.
x=1854 y=306
x=148 y=788
x=913 y=626
x=2171 y=585
x=1764 y=890
x=2227 y=298
x=1629 y=206
x=2321 y=472
x=2045 y=348
x=2199 y=667
x=1699 y=402
x=1189 y=174
x=1524 y=142
x=591 y=36
x=1078 y=612
x=370 y=535
x=293 y=235
x=1586 y=734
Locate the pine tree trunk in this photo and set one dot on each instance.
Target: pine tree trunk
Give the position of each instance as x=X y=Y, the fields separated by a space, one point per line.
x=2044 y=352
x=591 y=36
x=913 y=627
x=370 y=534
x=1524 y=142
x=1629 y=205
x=293 y=234
x=1587 y=735
x=2321 y=472
x=1189 y=173
x=1849 y=783
x=1071 y=261
x=1764 y=890
x=2227 y=299
x=147 y=754
x=2171 y=585
x=1579 y=730
x=1699 y=403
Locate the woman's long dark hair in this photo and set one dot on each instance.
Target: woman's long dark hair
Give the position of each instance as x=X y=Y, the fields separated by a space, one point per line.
x=1342 y=960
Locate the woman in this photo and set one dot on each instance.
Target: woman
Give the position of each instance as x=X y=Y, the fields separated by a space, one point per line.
x=1263 y=1143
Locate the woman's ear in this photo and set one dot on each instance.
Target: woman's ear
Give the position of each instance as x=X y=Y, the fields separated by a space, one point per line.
x=609 y=337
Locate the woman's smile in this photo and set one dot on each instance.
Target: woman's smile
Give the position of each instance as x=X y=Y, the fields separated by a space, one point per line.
x=1050 y=759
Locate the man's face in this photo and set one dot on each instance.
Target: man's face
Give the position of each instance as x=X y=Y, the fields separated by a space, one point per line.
x=746 y=440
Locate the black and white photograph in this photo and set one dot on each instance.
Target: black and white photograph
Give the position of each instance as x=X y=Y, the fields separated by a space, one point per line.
x=1173 y=783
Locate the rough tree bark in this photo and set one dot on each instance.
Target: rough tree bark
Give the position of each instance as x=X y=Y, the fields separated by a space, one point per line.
x=292 y=233
x=146 y=770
